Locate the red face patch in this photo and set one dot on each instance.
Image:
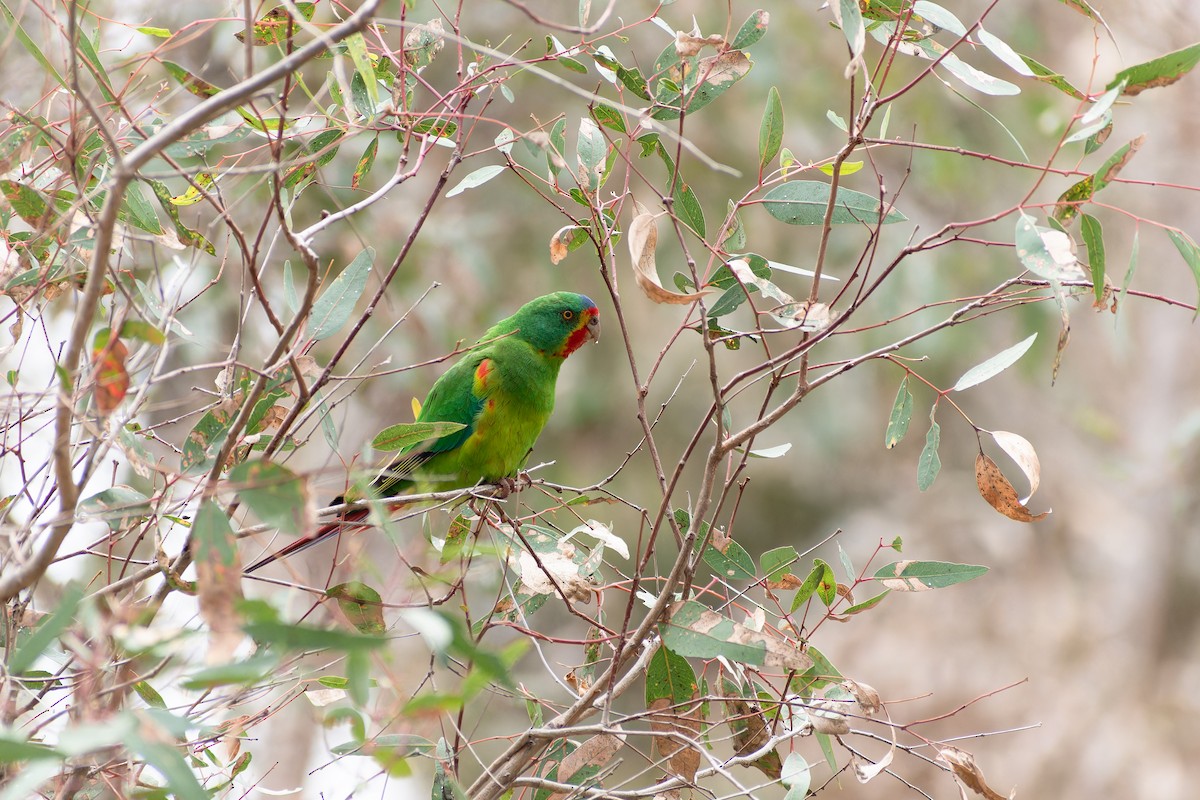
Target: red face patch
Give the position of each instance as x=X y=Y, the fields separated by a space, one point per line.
x=579 y=335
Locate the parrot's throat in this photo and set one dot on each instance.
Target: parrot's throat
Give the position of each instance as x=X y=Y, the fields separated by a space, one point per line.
x=574 y=342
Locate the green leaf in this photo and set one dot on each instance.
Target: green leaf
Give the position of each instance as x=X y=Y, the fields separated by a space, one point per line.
x=361 y=604
x=149 y=694
x=556 y=151
x=590 y=149
x=929 y=464
x=47 y=631
x=847 y=564
x=846 y=168
x=1161 y=71
x=687 y=205
x=865 y=605
x=920 y=576
x=333 y=306
x=609 y=118
x=732 y=563
x=941 y=17
x=1001 y=50
x=804 y=203
x=28 y=204
x=1046 y=252
x=1093 y=238
x=994 y=365
x=403 y=745
x=974 y=78
x=820 y=674
x=273 y=492
x=276 y=25
x=820 y=581
x=694 y=81
x=35 y=49
x=796 y=776
x=121 y=507
x=14 y=747
x=753 y=29
x=1187 y=248
x=477 y=178
x=406 y=434
x=901 y=414
x=770 y=131
x=1047 y=75
x=850 y=16
x=1133 y=263
x=185 y=234
x=697 y=631
x=669 y=677
x=777 y=563
x=307 y=637
x=735 y=239
x=1090 y=186
x=139 y=212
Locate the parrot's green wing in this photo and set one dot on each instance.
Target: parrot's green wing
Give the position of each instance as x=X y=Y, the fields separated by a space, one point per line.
x=455 y=397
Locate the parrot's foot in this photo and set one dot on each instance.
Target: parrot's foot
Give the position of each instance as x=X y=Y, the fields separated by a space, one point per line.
x=509 y=485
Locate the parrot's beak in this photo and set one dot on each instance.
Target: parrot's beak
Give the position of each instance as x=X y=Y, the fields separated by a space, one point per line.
x=593 y=328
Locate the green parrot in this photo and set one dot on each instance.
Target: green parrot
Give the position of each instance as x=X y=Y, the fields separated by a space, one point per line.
x=502 y=390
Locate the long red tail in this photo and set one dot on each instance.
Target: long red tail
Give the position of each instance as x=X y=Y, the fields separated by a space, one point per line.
x=343 y=523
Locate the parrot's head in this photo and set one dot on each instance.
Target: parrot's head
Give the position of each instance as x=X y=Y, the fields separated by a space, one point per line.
x=557 y=324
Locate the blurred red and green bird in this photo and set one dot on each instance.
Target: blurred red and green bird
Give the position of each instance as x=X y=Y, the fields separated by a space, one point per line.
x=501 y=391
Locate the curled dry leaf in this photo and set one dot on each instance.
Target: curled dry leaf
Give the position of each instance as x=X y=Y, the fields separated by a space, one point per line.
x=689 y=44
x=1021 y=451
x=594 y=752
x=671 y=725
x=643 y=239
x=865 y=770
x=751 y=734
x=827 y=717
x=999 y=493
x=865 y=695
x=557 y=568
x=806 y=316
x=968 y=775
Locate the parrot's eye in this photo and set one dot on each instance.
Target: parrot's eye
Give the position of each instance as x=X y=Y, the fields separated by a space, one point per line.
x=568 y=315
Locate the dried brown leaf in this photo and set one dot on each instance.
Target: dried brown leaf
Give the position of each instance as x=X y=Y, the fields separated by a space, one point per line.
x=999 y=493
x=669 y=723
x=865 y=695
x=594 y=752
x=968 y=776
x=643 y=239
x=1021 y=451
x=751 y=734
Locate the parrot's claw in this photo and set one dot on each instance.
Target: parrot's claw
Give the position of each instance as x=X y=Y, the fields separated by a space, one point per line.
x=509 y=485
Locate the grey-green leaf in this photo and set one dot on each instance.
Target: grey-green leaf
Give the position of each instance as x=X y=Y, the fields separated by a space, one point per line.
x=901 y=414
x=929 y=464
x=770 y=131
x=804 y=203
x=1093 y=238
x=333 y=307
x=994 y=365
